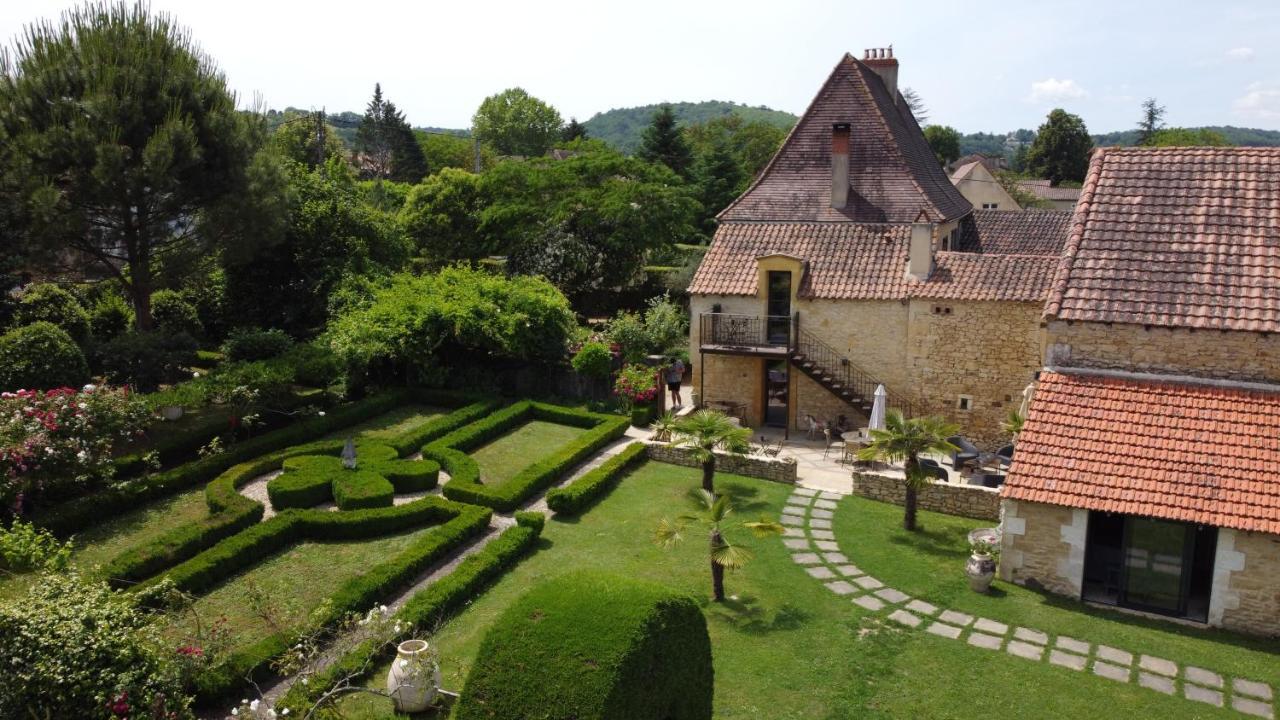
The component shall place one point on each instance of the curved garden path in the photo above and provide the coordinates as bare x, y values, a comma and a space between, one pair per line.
807, 517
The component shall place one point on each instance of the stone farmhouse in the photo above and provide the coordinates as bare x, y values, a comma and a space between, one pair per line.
1144, 476
852, 261
981, 188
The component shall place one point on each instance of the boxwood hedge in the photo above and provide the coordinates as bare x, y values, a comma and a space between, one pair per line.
309, 480
464, 473
581, 493
593, 646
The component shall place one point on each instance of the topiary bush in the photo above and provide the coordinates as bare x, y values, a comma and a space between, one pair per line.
362, 489
145, 360
173, 314
255, 344
110, 318
309, 480
578, 495
47, 302
593, 360
593, 646
40, 356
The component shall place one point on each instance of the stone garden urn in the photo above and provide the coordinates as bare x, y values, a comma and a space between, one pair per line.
414, 678
981, 566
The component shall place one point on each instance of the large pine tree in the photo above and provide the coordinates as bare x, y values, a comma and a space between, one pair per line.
664, 143
408, 162
373, 148
718, 176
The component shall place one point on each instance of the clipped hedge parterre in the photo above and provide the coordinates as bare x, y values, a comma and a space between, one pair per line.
583, 492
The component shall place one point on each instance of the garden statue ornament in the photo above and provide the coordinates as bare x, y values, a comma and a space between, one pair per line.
349, 455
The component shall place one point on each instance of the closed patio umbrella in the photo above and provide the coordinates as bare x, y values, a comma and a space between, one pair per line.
876, 421
1026, 399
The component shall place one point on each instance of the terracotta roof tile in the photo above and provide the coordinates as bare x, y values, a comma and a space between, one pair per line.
1000, 232
893, 175
1197, 453
1175, 237
1045, 191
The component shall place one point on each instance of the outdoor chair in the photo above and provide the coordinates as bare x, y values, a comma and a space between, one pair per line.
967, 453
828, 442
815, 427
773, 450
1006, 455
934, 470
992, 481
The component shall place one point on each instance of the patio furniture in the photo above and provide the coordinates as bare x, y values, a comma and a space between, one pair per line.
828, 442
934, 470
966, 454
854, 440
814, 426
1006, 453
991, 480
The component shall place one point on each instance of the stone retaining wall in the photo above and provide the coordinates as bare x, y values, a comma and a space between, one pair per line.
766, 468
966, 500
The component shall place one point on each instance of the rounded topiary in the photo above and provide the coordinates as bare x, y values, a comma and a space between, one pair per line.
49, 303
309, 480
40, 356
110, 318
590, 646
173, 314
254, 344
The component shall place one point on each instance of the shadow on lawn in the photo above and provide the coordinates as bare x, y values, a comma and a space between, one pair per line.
949, 542
742, 496
745, 614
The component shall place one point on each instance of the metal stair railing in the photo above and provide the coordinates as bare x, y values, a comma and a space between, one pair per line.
846, 375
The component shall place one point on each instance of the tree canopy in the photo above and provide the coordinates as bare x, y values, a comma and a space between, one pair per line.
663, 142
513, 122
386, 145
1061, 149
944, 141
440, 216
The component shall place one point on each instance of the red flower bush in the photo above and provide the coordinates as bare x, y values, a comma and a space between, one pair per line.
636, 384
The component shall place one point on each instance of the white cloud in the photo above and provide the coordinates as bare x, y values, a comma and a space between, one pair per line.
1055, 90
1260, 102
1241, 54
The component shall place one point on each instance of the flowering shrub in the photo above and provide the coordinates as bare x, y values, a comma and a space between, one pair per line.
55, 439
636, 384
593, 359
25, 547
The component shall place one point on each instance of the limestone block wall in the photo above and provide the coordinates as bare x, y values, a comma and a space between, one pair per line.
1043, 544
966, 500
1246, 587
1208, 353
778, 470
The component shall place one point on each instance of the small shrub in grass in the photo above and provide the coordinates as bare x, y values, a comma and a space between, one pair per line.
254, 344
640, 652
24, 547
110, 318
49, 303
581, 493
173, 314
526, 518
40, 356
360, 489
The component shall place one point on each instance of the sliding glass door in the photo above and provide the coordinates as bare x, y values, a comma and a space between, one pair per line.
1148, 564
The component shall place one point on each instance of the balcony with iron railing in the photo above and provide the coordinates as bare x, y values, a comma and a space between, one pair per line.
746, 334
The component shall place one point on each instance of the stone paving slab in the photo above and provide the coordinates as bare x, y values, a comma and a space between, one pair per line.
820, 523
905, 618
922, 607
956, 618
828, 545
891, 595
1111, 672
1072, 645
1159, 683
868, 583
807, 558
1066, 659
820, 572
1031, 636
942, 629
840, 587
1160, 666
1251, 688
1112, 655
1027, 650
835, 558
793, 510
792, 532
820, 513
830, 495
849, 570
1204, 695
985, 641
1200, 676
822, 534
870, 602
807, 492
792, 520
796, 543
825, 504
991, 626
1252, 707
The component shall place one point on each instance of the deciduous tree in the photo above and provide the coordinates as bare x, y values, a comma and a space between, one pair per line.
944, 141
1061, 149
514, 122
440, 216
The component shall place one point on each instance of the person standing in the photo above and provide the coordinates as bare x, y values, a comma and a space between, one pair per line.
675, 374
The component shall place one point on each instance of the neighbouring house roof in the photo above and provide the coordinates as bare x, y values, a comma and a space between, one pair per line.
992, 163
964, 171
893, 175
1173, 450
866, 261
1030, 232
1045, 191
1175, 237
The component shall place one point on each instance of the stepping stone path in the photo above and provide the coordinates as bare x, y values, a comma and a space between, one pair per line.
808, 514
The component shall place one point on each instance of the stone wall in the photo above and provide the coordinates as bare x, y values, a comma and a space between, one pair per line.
1040, 546
1207, 353
1249, 599
966, 500
758, 467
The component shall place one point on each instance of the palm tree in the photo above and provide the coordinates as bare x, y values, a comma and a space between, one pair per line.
906, 440
712, 511
706, 431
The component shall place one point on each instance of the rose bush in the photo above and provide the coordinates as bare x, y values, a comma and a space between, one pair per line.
636, 385
56, 439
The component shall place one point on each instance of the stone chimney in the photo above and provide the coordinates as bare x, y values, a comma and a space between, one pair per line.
886, 66
920, 252
839, 165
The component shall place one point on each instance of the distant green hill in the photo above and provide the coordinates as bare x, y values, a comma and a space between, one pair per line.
1244, 137
621, 127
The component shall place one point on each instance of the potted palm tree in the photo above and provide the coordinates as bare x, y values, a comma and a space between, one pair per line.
706, 431
711, 513
905, 440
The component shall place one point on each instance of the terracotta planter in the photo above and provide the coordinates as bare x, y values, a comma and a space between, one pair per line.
981, 569
414, 678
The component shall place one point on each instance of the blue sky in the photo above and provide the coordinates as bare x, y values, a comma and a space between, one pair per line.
978, 66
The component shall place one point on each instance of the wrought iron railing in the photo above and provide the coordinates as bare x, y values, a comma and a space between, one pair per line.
847, 375
745, 331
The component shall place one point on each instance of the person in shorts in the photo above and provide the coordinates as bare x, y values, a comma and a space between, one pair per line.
675, 373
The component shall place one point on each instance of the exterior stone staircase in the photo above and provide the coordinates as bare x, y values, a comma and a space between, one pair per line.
842, 378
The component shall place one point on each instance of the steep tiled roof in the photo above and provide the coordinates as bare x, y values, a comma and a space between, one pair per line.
1175, 237
862, 261
1195, 453
893, 175
1030, 232
1045, 191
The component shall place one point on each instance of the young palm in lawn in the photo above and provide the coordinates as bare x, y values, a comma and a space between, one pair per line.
712, 512
705, 432
906, 440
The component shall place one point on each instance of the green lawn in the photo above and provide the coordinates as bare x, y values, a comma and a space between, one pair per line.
871, 535
501, 459
282, 590
785, 646
402, 419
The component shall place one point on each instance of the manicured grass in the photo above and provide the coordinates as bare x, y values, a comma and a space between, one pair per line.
501, 459
929, 564
383, 427
785, 647
290, 585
